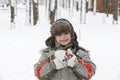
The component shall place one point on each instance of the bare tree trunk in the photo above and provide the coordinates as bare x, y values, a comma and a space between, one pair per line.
69, 4
115, 13
63, 5
52, 12
83, 12
12, 15
46, 6
30, 2
77, 6
35, 12
119, 7
94, 7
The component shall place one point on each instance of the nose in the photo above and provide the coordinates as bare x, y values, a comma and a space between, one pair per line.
63, 35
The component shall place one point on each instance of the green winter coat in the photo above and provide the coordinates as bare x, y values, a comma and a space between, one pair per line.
45, 69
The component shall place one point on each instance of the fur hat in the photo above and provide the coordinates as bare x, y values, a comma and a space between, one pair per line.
60, 26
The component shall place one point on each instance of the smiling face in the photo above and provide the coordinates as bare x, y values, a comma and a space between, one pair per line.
62, 32
63, 38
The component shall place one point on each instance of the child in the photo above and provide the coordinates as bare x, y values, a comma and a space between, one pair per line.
64, 59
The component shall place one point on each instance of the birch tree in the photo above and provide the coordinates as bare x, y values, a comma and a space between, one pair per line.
29, 17
12, 14
94, 7
115, 13
52, 10
83, 12
35, 11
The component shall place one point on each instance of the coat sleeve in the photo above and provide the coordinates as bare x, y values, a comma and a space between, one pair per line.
45, 68
84, 67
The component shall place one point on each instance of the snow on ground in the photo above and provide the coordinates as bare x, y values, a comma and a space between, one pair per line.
19, 47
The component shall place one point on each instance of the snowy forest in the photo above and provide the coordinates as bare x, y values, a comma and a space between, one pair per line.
53, 9
25, 25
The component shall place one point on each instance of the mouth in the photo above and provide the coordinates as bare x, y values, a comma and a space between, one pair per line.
65, 40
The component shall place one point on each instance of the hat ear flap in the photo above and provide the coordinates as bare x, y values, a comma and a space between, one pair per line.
50, 42
74, 39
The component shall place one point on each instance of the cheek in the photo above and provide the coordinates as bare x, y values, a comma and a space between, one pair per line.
70, 38
57, 39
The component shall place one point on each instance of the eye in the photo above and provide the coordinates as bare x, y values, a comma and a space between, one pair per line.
66, 33
59, 34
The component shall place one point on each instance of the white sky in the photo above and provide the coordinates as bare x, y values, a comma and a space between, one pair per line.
19, 47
